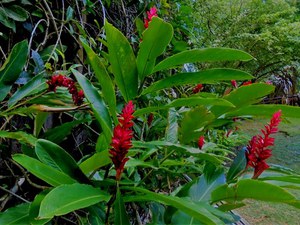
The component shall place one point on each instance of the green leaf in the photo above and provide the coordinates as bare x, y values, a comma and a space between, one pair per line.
266, 111
122, 61
97, 104
21, 136
188, 102
53, 155
17, 215
103, 78
95, 162
197, 153
35, 208
192, 121
26, 90
238, 165
42, 171
120, 218
155, 40
185, 205
59, 133
202, 55
171, 134
39, 121
246, 95
201, 189
255, 189
12, 67
67, 198
6, 21
204, 77
16, 13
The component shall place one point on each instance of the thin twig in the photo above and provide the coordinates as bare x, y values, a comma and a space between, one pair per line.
27, 178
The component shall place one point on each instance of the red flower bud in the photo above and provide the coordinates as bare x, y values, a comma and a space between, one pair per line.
201, 142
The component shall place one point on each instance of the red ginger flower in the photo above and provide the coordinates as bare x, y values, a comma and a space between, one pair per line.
121, 141
234, 83
62, 81
257, 149
150, 14
247, 83
201, 142
197, 88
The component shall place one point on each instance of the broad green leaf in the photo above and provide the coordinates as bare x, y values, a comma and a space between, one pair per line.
103, 77
53, 155
42, 171
21, 136
39, 121
17, 13
67, 198
136, 162
180, 218
95, 162
188, 102
59, 133
26, 90
246, 95
122, 61
186, 149
193, 121
12, 67
35, 208
201, 190
266, 111
155, 40
185, 205
202, 55
171, 134
255, 189
97, 104
6, 21
120, 216
238, 165
209, 76
17, 215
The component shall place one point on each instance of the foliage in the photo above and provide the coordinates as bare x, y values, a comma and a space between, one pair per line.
268, 30
148, 163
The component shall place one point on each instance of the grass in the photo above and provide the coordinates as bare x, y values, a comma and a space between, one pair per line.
286, 152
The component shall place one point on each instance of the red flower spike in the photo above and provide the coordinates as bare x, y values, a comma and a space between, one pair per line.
121, 140
150, 14
197, 88
201, 142
257, 151
234, 83
62, 81
247, 83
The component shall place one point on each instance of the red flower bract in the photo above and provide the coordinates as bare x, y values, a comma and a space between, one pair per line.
62, 81
197, 88
150, 14
201, 142
121, 141
257, 149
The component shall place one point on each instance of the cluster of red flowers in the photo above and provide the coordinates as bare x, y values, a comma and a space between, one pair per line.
121, 141
151, 13
197, 88
257, 149
62, 81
